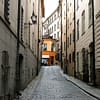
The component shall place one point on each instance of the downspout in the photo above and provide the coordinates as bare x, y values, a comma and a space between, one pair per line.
74, 39
38, 39
17, 84
66, 42
94, 74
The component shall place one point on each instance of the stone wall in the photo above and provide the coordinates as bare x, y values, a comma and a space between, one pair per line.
97, 47
8, 43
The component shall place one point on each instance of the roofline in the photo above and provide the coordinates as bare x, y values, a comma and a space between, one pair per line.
51, 14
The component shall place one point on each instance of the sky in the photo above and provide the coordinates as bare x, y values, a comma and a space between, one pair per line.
50, 6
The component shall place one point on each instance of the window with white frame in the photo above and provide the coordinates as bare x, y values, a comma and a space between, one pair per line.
54, 36
58, 35
58, 25
54, 27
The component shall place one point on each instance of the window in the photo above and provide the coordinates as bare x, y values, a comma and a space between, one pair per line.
83, 56
54, 27
50, 30
55, 16
77, 61
77, 4
6, 10
44, 47
73, 56
90, 12
49, 21
52, 46
5, 58
70, 3
58, 25
68, 23
22, 13
58, 35
54, 36
64, 14
73, 36
52, 18
64, 46
70, 58
77, 29
33, 40
83, 22
70, 39
70, 18
68, 6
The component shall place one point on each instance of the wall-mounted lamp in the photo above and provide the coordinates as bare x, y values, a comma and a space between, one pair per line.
34, 18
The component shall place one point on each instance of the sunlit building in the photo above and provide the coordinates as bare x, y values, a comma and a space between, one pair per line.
70, 37
51, 27
48, 50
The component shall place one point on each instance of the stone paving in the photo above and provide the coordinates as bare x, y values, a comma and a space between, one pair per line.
52, 86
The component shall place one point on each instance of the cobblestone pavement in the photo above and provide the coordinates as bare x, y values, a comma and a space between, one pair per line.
52, 86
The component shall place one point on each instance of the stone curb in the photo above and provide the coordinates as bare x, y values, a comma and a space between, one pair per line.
82, 88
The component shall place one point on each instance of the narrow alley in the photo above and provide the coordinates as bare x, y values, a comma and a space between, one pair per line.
51, 85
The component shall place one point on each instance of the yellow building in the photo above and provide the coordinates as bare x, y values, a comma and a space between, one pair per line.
48, 50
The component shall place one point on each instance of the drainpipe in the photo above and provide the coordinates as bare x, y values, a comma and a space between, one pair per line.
74, 38
66, 41
61, 37
17, 84
38, 39
94, 74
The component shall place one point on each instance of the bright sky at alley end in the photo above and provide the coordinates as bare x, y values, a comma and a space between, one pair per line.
50, 6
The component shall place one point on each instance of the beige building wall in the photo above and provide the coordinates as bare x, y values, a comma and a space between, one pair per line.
70, 37
8, 45
64, 33
85, 40
97, 40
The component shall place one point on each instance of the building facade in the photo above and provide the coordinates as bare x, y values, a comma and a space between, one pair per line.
63, 18
10, 43
70, 37
51, 27
97, 41
77, 42
83, 40
49, 50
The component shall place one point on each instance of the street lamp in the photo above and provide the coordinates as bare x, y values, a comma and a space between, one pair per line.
34, 18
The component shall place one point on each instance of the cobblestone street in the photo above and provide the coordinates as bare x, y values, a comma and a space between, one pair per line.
52, 86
